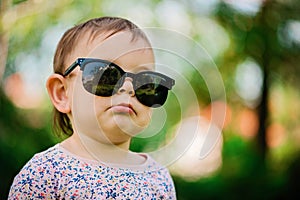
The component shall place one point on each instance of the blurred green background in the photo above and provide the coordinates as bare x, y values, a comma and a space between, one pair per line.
255, 45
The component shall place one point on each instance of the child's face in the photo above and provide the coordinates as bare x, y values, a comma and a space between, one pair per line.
116, 118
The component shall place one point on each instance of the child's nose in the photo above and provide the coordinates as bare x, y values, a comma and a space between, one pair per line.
127, 87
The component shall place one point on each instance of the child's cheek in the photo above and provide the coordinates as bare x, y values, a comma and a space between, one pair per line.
144, 117
83, 110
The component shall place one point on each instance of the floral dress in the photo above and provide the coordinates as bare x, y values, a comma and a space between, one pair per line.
59, 174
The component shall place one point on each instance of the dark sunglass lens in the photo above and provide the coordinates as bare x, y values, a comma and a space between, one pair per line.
149, 90
152, 96
100, 78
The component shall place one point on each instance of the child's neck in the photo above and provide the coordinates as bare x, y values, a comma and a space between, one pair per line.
89, 148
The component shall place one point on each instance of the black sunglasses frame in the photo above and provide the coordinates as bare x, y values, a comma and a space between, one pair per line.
168, 82
165, 81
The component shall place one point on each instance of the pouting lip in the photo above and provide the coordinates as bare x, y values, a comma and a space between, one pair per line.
125, 105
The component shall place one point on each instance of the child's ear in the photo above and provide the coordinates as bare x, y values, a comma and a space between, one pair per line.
56, 87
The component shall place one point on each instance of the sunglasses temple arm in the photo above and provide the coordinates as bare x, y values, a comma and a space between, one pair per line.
170, 83
71, 68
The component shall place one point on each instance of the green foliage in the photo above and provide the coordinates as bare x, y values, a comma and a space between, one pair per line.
19, 140
18, 1
243, 176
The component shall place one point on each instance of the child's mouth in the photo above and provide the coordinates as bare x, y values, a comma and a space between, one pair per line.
123, 108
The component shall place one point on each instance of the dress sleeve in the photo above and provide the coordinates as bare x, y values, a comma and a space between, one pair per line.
36, 180
170, 188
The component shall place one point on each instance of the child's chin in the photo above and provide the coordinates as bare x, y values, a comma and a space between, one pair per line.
130, 128
130, 121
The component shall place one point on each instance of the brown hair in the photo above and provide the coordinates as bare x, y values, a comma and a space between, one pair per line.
94, 27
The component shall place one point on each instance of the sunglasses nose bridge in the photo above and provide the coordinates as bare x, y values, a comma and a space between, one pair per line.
129, 75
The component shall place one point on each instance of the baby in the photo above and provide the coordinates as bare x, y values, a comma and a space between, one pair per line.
103, 89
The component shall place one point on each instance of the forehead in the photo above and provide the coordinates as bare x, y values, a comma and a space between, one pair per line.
116, 47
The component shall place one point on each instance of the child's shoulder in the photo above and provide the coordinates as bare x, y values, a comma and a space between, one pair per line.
46, 160
49, 155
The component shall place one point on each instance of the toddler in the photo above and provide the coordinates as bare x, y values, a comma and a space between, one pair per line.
103, 89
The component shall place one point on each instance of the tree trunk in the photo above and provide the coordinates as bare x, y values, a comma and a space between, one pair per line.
267, 34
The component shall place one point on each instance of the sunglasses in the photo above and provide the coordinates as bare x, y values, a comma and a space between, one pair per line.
104, 78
